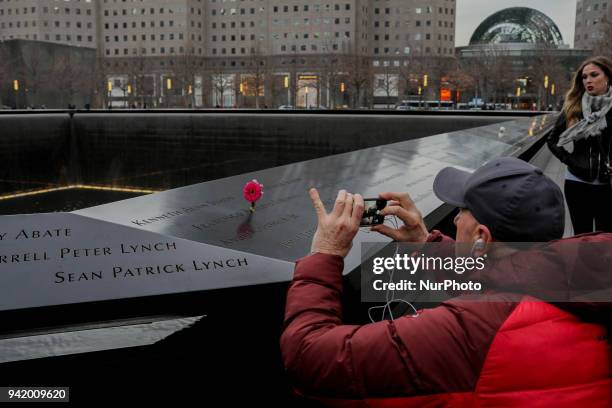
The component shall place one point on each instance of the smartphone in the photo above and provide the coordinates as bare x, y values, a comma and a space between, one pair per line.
371, 212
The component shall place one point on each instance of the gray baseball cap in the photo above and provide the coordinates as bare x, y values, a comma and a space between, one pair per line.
514, 199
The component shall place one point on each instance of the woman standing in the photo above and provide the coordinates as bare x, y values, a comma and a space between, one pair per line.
582, 139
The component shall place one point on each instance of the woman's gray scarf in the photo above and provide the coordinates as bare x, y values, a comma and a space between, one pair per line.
594, 111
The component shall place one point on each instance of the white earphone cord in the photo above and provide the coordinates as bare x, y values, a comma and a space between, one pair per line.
390, 295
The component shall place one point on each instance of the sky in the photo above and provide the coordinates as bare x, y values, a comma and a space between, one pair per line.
470, 13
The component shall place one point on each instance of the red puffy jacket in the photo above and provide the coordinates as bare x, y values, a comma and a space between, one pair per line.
501, 353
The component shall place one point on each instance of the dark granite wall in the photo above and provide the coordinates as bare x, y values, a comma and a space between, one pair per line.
34, 151
167, 150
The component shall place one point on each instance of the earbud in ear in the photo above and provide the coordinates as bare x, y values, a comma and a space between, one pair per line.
479, 244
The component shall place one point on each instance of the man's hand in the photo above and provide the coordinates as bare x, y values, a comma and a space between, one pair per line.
337, 229
402, 206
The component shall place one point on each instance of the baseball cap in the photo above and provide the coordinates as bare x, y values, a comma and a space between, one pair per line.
513, 198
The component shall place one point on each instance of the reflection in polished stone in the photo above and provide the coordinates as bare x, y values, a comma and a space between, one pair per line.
61, 200
214, 212
112, 249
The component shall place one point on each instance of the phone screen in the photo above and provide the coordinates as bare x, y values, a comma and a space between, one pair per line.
371, 212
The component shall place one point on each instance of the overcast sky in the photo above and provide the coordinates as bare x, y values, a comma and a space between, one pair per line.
470, 13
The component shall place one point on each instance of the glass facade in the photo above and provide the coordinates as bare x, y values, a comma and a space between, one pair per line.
518, 25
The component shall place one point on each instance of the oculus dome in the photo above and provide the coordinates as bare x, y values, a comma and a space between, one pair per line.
518, 25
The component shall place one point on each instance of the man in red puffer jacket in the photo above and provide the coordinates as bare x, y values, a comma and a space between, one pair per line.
501, 351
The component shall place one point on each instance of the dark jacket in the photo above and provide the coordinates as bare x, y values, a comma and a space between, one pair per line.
589, 158
501, 352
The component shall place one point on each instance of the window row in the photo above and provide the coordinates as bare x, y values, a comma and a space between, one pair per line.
151, 11
51, 37
150, 37
232, 51
418, 10
307, 21
592, 7
306, 36
415, 36
147, 51
234, 11
593, 22
56, 24
417, 23
304, 47
143, 24
46, 10
233, 24
315, 7
407, 50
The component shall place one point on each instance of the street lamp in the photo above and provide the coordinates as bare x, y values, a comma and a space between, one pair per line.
129, 93
190, 97
286, 83
169, 88
546, 90
425, 82
518, 95
109, 88
16, 89
553, 91
420, 97
241, 96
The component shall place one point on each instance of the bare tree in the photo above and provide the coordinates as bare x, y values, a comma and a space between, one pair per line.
35, 72
503, 79
422, 75
438, 70
100, 82
551, 68
544, 71
294, 83
459, 78
140, 83
330, 77
411, 73
184, 71
274, 87
358, 74
258, 71
221, 83
487, 69
67, 78
386, 81
206, 89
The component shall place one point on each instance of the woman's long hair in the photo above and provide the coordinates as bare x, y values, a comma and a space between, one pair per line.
572, 109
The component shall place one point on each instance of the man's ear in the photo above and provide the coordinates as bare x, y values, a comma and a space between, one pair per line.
483, 233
